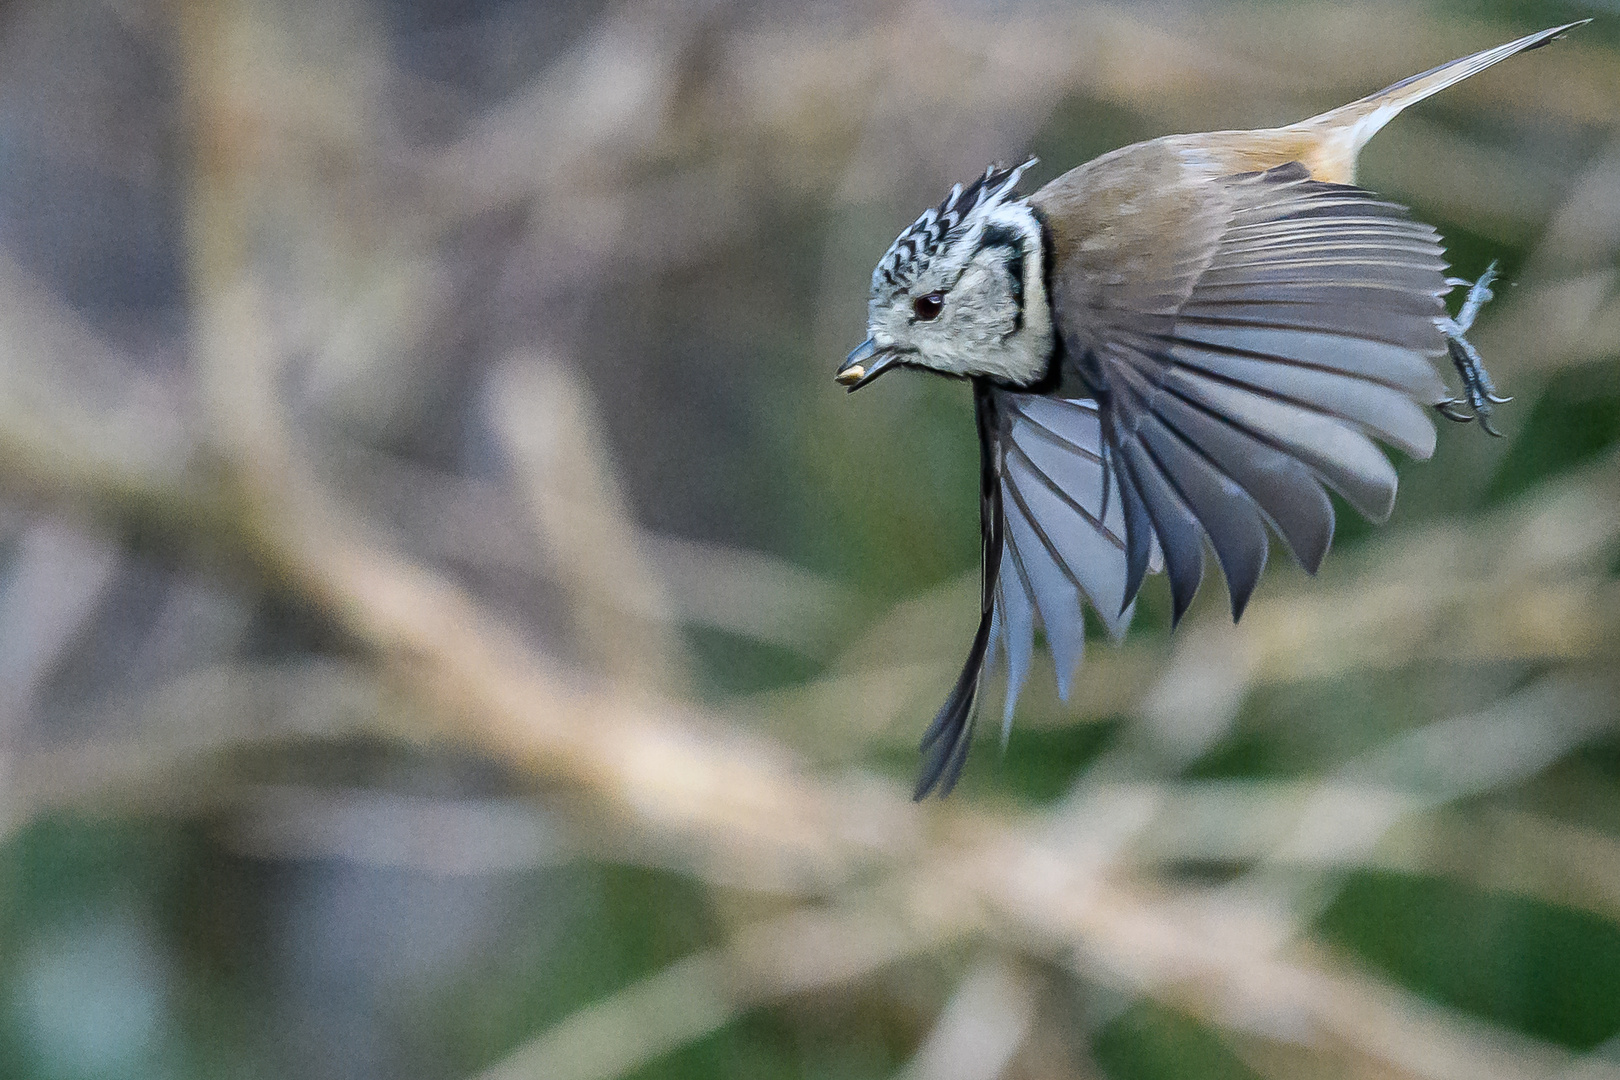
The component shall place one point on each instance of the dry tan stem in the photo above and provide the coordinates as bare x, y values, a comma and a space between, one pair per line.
622, 611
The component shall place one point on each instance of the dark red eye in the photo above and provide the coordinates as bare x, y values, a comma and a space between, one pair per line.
927, 307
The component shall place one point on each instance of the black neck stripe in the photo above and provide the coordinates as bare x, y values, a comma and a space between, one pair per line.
1053, 377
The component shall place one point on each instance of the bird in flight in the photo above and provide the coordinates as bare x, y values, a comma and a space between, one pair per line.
1186, 339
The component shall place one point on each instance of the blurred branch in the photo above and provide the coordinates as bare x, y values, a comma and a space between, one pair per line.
1502, 851
981, 1027
1528, 583
438, 836
802, 951
81, 425
169, 732
471, 523
57, 576
622, 610
752, 594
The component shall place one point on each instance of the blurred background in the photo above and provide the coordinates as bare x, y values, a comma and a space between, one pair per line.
452, 626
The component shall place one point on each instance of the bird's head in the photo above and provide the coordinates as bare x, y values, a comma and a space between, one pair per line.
962, 291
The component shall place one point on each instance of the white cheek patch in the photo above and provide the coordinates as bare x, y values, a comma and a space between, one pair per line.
988, 327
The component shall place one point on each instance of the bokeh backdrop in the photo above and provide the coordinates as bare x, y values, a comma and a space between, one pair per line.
452, 626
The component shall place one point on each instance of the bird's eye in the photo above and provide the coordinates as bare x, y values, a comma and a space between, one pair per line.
927, 308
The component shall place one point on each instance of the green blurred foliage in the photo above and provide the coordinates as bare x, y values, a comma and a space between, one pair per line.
1547, 971
1150, 1042
1574, 419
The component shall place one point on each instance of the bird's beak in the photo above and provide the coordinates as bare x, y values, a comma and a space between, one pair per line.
865, 362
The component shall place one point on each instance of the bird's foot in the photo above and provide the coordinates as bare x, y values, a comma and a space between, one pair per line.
1479, 393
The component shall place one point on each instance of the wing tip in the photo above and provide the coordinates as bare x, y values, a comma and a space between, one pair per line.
1240, 603
1378, 513
1242, 581
1183, 590
945, 747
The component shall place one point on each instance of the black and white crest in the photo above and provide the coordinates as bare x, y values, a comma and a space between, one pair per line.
941, 227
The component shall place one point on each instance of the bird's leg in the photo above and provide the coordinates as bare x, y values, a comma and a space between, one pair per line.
1479, 393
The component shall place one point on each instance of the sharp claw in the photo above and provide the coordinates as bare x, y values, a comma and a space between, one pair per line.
1479, 393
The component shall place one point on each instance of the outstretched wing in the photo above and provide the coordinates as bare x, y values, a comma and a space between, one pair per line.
1251, 365
1053, 530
